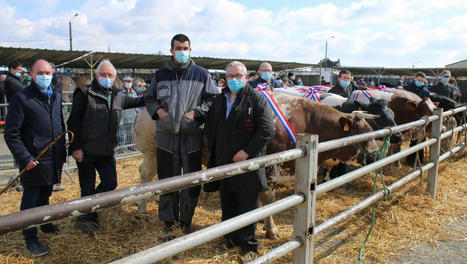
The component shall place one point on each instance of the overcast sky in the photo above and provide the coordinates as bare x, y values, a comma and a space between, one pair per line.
399, 33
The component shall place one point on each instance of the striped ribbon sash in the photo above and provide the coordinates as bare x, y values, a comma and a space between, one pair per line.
264, 90
366, 93
312, 94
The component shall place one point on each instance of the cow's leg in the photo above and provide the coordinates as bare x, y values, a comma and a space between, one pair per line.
147, 171
268, 197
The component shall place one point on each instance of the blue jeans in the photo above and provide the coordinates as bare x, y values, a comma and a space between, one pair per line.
105, 166
34, 196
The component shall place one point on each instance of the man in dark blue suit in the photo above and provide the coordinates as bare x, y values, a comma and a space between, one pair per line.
34, 120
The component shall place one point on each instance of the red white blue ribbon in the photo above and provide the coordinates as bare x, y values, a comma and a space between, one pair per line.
367, 94
264, 90
312, 94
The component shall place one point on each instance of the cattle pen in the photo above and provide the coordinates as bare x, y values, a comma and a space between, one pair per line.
304, 199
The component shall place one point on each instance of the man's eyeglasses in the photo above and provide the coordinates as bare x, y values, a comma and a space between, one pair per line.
236, 76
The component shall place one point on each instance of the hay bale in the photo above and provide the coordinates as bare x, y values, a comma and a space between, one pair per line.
407, 218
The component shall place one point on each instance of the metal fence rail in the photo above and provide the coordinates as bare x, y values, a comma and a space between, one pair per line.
306, 191
44, 214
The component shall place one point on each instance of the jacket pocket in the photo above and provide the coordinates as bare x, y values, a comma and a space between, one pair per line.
164, 124
40, 143
163, 91
189, 125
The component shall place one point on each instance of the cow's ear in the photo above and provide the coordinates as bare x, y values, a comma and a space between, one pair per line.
411, 106
345, 123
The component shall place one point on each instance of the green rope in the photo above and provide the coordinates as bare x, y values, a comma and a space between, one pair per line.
380, 153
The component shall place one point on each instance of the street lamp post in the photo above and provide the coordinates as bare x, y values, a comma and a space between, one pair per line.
69, 29
326, 55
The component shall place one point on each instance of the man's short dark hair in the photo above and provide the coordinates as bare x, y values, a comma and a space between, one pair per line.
14, 64
181, 38
253, 74
420, 74
290, 74
344, 72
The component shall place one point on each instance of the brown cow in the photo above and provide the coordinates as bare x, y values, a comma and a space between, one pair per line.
305, 115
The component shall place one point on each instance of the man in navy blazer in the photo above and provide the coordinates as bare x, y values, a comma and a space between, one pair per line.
34, 120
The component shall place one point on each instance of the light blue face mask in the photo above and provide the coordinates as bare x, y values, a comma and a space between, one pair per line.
344, 83
445, 79
43, 81
419, 84
106, 82
266, 76
182, 56
235, 85
18, 74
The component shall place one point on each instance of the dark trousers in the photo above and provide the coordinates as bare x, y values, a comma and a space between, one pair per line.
105, 166
234, 204
180, 205
35, 196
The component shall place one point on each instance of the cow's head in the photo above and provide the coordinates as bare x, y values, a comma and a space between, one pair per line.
352, 124
424, 108
380, 108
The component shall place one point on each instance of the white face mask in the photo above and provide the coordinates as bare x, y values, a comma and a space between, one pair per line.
128, 85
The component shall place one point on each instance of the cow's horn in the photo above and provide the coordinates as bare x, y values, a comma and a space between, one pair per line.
367, 116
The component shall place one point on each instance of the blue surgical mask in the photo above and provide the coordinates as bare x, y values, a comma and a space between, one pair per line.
235, 85
139, 90
445, 79
182, 56
18, 74
106, 82
419, 84
266, 76
43, 81
344, 83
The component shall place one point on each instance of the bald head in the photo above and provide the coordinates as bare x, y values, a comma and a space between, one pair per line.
41, 67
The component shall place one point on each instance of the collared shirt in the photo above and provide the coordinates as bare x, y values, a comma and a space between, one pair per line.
229, 104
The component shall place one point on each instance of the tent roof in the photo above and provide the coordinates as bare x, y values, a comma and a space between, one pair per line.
124, 60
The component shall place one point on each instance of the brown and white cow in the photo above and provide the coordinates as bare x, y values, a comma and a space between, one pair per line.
306, 116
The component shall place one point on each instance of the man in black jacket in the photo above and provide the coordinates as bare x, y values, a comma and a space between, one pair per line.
240, 124
34, 120
12, 82
94, 119
345, 85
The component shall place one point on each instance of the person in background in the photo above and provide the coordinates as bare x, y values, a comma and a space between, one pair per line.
443, 87
286, 82
125, 133
292, 79
417, 86
457, 90
345, 85
25, 79
252, 76
34, 120
239, 126
222, 83
139, 87
178, 99
2, 96
299, 80
94, 119
265, 75
12, 81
